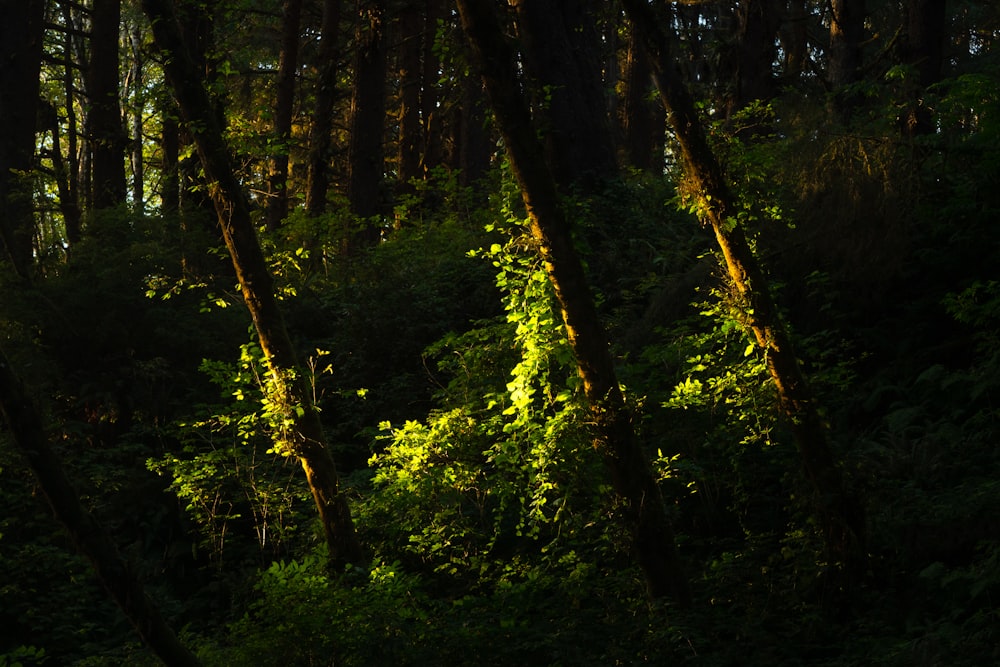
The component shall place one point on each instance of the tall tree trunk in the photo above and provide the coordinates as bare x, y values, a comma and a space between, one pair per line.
21, 34
170, 148
104, 121
136, 140
639, 122
794, 38
284, 106
926, 30
320, 139
473, 139
847, 26
560, 53
615, 437
305, 438
365, 160
432, 154
409, 73
758, 23
119, 580
70, 202
841, 515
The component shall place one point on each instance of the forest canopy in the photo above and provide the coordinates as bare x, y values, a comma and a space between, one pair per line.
499, 332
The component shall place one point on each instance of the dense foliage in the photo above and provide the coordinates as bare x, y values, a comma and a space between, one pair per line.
450, 395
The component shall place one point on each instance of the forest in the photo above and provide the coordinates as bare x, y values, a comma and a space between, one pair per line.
500, 332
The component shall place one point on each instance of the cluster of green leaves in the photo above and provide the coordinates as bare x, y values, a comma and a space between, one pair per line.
505, 462
231, 467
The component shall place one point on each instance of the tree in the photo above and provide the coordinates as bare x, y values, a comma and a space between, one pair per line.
847, 27
289, 393
284, 106
615, 437
21, 40
104, 120
561, 57
117, 577
365, 159
642, 126
321, 127
841, 515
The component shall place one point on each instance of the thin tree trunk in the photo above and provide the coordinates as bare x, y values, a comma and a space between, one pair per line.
322, 121
137, 141
305, 438
841, 515
615, 437
284, 105
119, 580
72, 213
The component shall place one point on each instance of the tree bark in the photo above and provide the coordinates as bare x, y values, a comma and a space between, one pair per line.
104, 120
841, 515
305, 438
320, 139
847, 26
70, 203
116, 576
365, 154
639, 122
926, 30
21, 34
284, 105
409, 73
559, 52
615, 437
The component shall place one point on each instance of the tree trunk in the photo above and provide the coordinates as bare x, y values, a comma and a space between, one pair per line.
409, 73
474, 146
284, 105
847, 26
926, 30
794, 39
70, 203
758, 23
320, 139
615, 437
104, 120
841, 515
170, 147
305, 438
21, 34
639, 122
116, 576
137, 140
432, 119
365, 158
560, 54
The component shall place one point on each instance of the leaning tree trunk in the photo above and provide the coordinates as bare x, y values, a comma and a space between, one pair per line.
615, 437
841, 515
119, 580
304, 437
